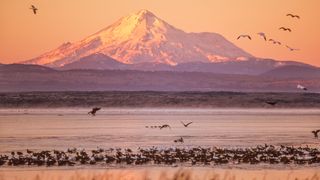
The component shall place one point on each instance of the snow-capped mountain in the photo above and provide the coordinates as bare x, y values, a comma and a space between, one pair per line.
144, 38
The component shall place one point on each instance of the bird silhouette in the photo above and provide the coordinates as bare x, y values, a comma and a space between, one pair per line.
315, 133
262, 35
165, 126
244, 36
301, 87
292, 49
94, 111
275, 42
34, 9
186, 125
285, 29
293, 16
272, 103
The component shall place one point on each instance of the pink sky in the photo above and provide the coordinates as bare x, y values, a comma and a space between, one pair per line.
24, 35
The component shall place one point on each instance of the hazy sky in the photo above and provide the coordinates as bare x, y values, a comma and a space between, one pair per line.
24, 35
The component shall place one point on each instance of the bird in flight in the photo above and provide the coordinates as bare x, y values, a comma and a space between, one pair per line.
94, 111
272, 103
292, 49
293, 16
34, 9
301, 87
285, 29
275, 42
165, 126
315, 133
186, 125
262, 35
244, 36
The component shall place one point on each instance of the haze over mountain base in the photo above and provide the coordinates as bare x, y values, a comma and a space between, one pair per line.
17, 77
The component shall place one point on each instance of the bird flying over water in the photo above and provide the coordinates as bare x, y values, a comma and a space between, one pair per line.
262, 35
165, 126
244, 36
292, 49
94, 111
186, 125
285, 29
34, 9
301, 87
315, 133
293, 16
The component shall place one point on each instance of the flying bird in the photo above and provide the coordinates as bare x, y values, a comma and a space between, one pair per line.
165, 126
94, 111
262, 35
186, 125
275, 42
315, 133
285, 29
272, 103
292, 49
244, 36
34, 9
293, 16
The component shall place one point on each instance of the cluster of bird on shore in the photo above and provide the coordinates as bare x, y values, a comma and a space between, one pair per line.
273, 41
195, 156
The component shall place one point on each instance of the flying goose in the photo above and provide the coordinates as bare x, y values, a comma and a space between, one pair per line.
94, 111
293, 16
244, 36
186, 125
34, 9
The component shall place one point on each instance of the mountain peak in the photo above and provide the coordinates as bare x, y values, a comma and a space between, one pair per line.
142, 37
144, 13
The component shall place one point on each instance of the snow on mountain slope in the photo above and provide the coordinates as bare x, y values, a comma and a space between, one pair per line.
144, 38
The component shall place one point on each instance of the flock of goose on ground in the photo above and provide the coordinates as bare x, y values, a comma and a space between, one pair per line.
196, 156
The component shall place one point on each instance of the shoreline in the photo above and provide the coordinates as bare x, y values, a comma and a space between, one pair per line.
158, 99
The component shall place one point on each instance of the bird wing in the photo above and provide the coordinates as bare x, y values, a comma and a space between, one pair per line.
183, 123
249, 37
317, 131
96, 109
188, 123
239, 37
290, 15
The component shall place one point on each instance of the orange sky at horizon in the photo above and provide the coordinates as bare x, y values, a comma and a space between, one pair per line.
24, 36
